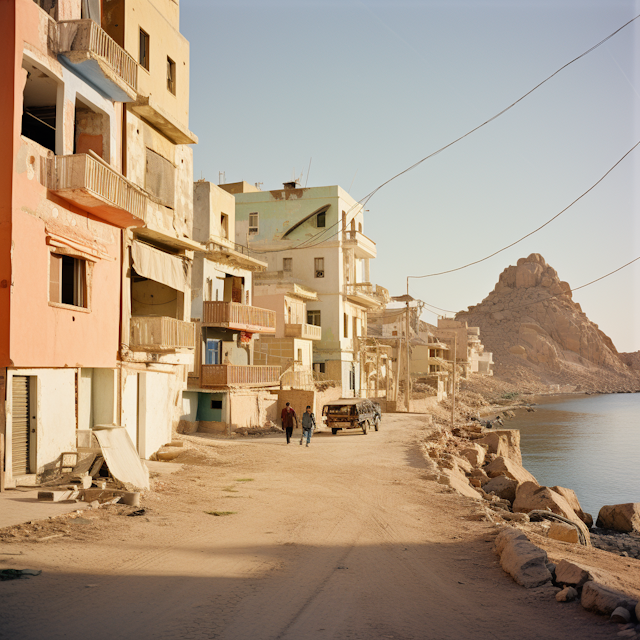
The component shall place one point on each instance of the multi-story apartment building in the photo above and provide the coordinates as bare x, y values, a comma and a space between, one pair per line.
314, 237
292, 345
80, 283
225, 376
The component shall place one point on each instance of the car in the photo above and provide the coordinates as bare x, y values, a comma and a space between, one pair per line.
352, 413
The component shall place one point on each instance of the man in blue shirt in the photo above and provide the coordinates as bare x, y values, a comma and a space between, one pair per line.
308, 425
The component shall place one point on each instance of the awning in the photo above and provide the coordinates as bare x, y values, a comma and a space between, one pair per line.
159, 266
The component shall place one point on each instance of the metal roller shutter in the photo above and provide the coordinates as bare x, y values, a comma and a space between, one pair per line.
20, 425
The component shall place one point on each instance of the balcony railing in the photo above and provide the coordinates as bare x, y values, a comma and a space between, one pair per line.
241, 317
228, 375
80, 40
364, 247
304, 331
367, 293
159, 333
93, 185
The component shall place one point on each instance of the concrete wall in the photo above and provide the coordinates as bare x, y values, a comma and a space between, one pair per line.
209, 203
54, 405
252, 408
155, 412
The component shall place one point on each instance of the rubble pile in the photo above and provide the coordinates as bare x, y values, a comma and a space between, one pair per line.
537, 333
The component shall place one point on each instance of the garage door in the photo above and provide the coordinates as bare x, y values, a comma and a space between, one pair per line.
20, 425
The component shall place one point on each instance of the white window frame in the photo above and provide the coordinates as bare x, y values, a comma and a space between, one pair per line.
254, 228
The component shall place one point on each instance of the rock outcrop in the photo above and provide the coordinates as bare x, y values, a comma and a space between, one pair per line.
620, 517
537, 332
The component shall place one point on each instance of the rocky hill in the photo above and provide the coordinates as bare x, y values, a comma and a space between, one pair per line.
537, 333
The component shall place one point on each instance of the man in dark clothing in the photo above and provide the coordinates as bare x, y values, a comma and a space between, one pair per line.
288, 417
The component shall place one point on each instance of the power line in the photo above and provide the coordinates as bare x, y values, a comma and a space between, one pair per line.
495, 253
366, 198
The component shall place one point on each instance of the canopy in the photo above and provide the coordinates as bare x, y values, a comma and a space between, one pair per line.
159, 266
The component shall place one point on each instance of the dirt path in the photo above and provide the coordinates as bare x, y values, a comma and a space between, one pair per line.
342, 540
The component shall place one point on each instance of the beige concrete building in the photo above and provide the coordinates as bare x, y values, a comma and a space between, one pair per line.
227, 385
315, 237
292, 345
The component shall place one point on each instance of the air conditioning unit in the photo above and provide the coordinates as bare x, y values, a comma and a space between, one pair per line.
319, 274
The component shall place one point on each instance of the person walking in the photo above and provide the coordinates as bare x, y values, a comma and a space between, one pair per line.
308, 425
288, 416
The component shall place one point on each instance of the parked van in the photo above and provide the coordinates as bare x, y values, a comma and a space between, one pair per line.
352, 413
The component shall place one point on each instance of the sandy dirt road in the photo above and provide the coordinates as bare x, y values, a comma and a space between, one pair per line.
344, 539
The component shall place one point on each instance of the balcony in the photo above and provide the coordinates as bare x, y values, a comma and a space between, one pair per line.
232, 375
225, 251
97, 58
239, 317
147, 108
90, 183
367, 294
363, 247
304, 331
159, 333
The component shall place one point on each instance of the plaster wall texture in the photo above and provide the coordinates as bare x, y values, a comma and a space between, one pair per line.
252, 408
160, 20
189, 406
55, 410
155, 414
129, 404
210, 202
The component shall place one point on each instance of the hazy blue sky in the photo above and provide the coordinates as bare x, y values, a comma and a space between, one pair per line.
366, 88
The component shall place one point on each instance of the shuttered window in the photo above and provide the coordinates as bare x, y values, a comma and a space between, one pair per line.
20, 425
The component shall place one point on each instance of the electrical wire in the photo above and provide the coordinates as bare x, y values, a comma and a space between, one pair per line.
368, 197
542, 226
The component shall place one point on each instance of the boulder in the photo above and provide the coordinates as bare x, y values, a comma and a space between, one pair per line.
566, 595
503, 442
503, 487
563, 532
474, 454
505, 467
458, 482
481, 475
522, 560
602, 599
620, 517
531, 497
576, 575
570, 496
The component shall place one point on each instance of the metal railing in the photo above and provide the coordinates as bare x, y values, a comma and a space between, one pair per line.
151, 333
86, 35
82, 171
303, 331
236, 314
226, 375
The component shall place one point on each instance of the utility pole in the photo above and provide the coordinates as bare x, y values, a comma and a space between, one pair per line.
453, 390
407, 395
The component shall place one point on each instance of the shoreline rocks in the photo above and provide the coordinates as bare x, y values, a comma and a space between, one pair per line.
620, 517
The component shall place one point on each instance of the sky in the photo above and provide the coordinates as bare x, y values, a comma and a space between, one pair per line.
352, 92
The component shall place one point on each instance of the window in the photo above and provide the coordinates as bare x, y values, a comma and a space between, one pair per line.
67, 280
355, 327
39, 113
319, 267
346, 325
320, 367
287, 264
313, 317
144, 50
321, 219
224, 225
253, 223
212, 353
299, 355
171, 76
216, 404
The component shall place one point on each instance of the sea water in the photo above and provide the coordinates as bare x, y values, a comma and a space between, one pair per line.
590, 444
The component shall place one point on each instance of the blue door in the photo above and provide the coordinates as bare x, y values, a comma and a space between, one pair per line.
212, 353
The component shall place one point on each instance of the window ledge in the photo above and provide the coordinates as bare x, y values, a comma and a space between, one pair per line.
69, 307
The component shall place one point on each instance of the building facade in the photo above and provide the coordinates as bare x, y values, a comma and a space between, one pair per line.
82, 336
314, 237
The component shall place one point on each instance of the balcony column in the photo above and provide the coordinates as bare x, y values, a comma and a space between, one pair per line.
367, 273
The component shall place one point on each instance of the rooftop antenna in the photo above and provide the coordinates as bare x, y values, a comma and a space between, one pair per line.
222, 177
306, 182
259, 184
